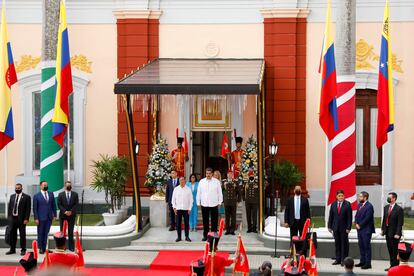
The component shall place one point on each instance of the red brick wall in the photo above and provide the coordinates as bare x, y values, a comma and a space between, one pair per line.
137, 44
285, 56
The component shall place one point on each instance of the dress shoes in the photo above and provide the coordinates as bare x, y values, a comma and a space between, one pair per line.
232, 233
336, 263
359, 265
178, 239
388, 268
10, 252
22, 252
41, 252
227, 233
188, 239
204, 239
249, 231
171, 229
367, 266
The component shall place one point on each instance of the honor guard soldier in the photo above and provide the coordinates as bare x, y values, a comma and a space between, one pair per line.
179, 157
404, 252
251, 198
231, 196
60, 257
215, 264
236, 157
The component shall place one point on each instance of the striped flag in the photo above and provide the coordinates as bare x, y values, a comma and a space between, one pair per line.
328, 115
63, 85
8, 77
385, 96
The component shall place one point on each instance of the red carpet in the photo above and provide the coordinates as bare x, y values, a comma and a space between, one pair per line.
177, 260
92, 271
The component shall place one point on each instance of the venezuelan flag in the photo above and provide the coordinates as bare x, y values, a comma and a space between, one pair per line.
385, 96
63, 85
328, 115
7, 78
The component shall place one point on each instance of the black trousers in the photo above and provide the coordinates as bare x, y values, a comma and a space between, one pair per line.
172, 215
180, 215
392, 245
251, 213
15, 224
341, 245
295, 227
208, 212
230, 213
71, 225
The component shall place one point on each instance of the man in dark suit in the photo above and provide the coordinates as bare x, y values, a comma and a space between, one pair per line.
44, 211
392, 223
18, 214
364, 223
68, 202
296, 212
171, 184
339, 224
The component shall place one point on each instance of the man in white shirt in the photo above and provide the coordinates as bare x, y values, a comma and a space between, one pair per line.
209, 197
182, 202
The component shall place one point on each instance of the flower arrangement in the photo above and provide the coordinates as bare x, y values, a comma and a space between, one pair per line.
159, 166
249, 160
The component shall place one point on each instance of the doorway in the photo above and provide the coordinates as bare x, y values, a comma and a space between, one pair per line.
207, 152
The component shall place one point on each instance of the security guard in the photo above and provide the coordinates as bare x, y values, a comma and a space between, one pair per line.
231, 196
251, 198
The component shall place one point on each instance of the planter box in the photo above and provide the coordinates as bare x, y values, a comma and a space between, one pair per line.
110, 219
158, 211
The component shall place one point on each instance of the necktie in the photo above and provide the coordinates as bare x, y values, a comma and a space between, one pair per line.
68, 197
15, 205
389, 213
297, 208
339, 208
47, 199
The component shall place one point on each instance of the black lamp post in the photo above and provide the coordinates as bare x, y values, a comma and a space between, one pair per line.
273, 147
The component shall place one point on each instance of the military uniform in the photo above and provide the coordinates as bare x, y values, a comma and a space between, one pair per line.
251, 198
231, 196
404, 252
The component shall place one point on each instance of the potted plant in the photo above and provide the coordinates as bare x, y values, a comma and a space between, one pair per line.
287, 175
109, 175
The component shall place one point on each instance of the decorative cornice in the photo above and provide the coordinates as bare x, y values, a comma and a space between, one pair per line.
28, 62
137, 14
285, 13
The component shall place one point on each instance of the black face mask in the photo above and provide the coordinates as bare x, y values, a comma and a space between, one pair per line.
297, 192
69, 187
18, 191
45, 188
389, 200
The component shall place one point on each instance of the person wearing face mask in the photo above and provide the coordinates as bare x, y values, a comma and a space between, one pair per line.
339, 224
18, 214
44, 211
68, 202
364, 223
296, 212
392, 223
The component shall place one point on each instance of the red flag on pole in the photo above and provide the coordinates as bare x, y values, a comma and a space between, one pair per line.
241, 263
79, 251
225, 149
313, 271
185, 146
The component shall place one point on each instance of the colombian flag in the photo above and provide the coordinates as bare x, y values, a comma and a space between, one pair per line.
328, 116
385, 96
63, 85
7, 78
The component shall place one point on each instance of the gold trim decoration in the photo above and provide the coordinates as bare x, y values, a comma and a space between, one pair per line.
365, 56
27, 62
81, 63
211, 109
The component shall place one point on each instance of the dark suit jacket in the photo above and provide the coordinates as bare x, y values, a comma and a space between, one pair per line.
25, 205
342, 221
43, 210
290, 210
170, 189
364, 217
64, 205
395, 221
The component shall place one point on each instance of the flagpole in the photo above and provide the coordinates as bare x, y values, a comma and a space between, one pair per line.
5, 182
68, 151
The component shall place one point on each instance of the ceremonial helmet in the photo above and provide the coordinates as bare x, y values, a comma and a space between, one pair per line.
197, 268
213, 239
239, 139
60, 237
404, 250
